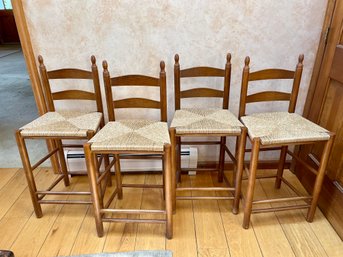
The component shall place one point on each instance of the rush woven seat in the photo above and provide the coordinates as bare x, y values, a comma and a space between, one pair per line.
131, 139
63, 124
132, 135
205, 121
270, 131
283, 128
55, 126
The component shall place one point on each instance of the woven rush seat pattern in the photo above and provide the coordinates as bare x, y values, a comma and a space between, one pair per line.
63, 124
283, 128
132, 135
205, 121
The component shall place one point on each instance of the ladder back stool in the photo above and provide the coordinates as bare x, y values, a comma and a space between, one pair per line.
276, 131
206, 122
129, 139
61, 125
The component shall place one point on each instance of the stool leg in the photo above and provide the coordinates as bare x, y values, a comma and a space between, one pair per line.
28, 173
221, 159
173, 166
106, 163
62, 162
118, 177
168, 190
320, 178
239, 169
251, 182
281, 165
178, 158
95, 192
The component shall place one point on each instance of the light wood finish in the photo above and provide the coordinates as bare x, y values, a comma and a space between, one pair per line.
257, 144
324, 106
103, 211
176, 138
279, 234
38, 196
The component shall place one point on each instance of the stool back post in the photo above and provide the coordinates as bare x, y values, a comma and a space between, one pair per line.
163, 92
296, 84
244, 87
108, 91
46, 85
177, 82
96, 82
227, 82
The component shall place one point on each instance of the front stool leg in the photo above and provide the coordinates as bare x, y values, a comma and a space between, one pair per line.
251, 182
320, 178
168, 190
28, 173
221, 159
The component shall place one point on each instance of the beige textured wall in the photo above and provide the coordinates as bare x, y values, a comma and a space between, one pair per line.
133, 36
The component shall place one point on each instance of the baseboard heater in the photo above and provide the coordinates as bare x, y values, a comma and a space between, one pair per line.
76, 161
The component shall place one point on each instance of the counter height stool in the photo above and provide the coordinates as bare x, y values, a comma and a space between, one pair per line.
138, 138
58, 126
206, 122
276, 131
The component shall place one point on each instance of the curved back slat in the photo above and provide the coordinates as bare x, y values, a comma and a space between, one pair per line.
136, 103
70, 74
135, 80
270, 74
132, 81
202, 71
73, 94
268, 96
201, 92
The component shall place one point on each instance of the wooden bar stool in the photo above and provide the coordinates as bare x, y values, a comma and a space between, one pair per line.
58, 126
145, 138
206, 122
276, 131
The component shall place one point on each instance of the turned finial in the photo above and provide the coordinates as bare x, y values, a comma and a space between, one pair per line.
40, 59
176, 58
93, 60
228, 58
162, 66
247, 61
301, 58
104, 65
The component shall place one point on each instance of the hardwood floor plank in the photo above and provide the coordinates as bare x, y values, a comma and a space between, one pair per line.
296, 228
210, 231
121, 237
326, 235
68, 222
151, 236
183, 243
268, 231
33, 235
213, 252
20, 212
235, 234
6, 175
12, 190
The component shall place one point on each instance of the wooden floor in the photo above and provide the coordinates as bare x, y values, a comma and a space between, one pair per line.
201, 228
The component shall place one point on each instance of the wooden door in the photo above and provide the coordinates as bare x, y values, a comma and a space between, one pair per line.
8, 29
324, 106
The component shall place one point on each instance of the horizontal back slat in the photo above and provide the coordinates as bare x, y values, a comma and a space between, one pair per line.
201, 92
202, 72
268, 96
135, 80
136, 103
73, 94
271, 74
69, 74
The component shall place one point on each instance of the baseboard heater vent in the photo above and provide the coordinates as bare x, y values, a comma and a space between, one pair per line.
189, 158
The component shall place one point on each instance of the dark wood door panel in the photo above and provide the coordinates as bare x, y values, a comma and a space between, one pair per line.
8, 29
